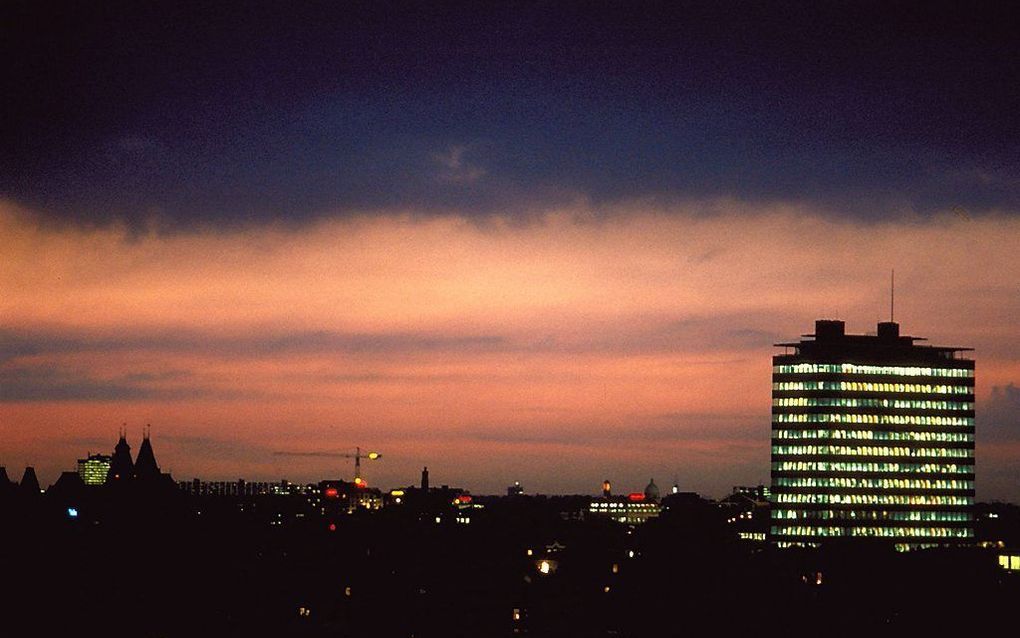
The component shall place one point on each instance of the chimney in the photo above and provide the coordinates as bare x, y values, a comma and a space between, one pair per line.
829, 329
888, 330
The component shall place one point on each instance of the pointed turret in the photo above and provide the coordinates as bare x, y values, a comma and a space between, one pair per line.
121, 467
6, 485
145, 464
30, 482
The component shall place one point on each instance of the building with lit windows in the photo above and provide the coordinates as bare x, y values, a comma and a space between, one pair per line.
633, 509
94, 468
872, 437
1010, 561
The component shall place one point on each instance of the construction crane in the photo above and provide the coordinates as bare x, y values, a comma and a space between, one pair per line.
357, 456
360, 482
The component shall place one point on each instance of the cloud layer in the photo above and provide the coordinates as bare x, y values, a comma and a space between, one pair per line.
225, 114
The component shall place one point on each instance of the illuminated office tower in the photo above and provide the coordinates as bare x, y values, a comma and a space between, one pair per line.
872, 437
94, 468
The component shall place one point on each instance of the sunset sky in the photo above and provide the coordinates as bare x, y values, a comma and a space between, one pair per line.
544, 242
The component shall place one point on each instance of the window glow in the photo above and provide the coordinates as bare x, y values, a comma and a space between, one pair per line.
873, 499
876, 435
874, 419
839, 466
905, 404
934, 532
875, 515
850, 368
872, 450
854, 386
874, 483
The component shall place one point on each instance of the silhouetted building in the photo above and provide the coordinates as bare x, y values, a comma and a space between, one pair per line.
756, 492
747, 512
68, 488
146, 468
30, 482
425, 480
240, 487
121, 466
94, 469
872, 437
341, 497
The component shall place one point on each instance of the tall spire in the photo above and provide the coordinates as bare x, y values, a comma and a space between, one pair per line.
121, 467
145, 464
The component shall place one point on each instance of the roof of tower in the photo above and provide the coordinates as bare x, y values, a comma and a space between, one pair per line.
830, 339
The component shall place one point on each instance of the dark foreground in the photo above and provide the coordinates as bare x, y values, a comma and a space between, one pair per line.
177, 566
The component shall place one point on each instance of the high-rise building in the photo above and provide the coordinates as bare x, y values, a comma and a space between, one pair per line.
872, 437
94, 468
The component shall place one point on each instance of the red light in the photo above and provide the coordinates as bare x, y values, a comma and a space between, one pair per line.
331, 492
332, 527
464, 498
636, 497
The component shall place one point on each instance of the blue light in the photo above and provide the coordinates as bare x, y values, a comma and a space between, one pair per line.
72, 512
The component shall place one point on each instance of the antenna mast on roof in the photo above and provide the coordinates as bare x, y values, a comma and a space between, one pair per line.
892, 296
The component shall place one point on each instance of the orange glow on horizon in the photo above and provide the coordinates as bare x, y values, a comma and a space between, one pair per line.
627, 345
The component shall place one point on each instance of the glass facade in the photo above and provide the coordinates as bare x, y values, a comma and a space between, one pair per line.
872, 436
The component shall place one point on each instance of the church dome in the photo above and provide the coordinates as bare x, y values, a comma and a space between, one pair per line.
652, 491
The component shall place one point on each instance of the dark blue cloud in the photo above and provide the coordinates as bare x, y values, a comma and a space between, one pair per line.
999, 416
16, 345
49, 383
201, 113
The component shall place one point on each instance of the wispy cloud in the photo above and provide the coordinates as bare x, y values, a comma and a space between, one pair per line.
455, 166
